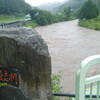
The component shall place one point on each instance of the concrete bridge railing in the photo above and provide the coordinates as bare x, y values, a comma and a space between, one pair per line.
14, 24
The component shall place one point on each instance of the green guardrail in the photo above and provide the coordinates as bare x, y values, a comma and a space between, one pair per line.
87, 88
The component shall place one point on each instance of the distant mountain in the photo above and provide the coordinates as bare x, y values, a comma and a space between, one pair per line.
59, 6
76, 4
50, 6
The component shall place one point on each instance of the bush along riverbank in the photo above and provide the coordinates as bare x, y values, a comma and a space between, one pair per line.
91, 24
31, 24
89, 15
43, 17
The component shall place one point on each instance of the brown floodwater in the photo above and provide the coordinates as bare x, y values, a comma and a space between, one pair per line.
68, 45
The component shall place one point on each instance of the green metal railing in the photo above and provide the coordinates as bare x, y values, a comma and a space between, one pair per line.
82, 81
82, 92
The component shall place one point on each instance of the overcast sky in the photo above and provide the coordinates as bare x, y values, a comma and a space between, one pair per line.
38, 2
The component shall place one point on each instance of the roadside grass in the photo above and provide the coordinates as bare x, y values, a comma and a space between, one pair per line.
31, 24
6, 18
92, 24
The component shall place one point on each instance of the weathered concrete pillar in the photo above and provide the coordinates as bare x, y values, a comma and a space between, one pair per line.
25, 50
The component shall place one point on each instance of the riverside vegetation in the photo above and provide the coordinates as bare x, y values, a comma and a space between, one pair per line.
43, 17
56, 86
89, 16
92, 23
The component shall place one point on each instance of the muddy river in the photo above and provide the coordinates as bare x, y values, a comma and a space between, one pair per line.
68, 45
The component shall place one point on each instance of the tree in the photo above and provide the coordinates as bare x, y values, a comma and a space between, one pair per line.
2, 6
88, 11
67, 12
97, 2
42, 17
13, 6
41, 20
33, 13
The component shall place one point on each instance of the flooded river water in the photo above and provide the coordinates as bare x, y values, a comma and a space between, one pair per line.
68, 45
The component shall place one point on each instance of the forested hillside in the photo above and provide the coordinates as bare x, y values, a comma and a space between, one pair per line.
97, 2
12, 6
76, 4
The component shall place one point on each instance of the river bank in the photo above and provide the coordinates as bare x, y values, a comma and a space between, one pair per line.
91, 24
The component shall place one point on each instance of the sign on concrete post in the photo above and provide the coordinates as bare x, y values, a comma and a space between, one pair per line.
9, 76
25, 50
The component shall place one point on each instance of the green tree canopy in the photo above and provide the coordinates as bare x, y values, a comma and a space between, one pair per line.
97, 2
33, 13
13, 6
67, 12
88, 11
42, 17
